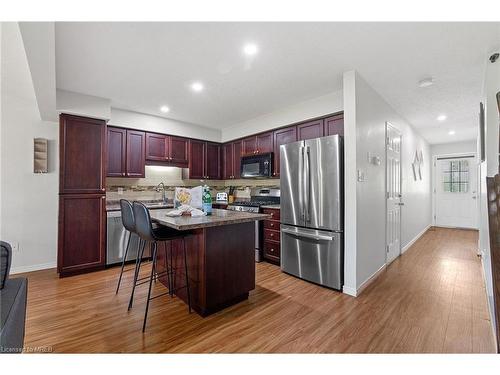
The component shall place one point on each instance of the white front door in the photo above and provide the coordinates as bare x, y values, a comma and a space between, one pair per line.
393, 193
456, 192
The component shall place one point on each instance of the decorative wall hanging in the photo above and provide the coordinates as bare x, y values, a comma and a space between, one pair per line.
417, 165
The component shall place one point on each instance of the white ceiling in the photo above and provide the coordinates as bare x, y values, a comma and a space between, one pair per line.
141, 66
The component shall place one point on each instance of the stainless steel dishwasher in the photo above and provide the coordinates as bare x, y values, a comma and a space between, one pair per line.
117, 237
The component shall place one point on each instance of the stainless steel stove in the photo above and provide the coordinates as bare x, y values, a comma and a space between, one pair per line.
258, 198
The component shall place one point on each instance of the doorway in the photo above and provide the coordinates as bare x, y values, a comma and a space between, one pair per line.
393, 192
455, 191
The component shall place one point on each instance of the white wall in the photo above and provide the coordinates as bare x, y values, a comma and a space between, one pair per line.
365, 115
29, 201
491, 86
78, 104
316, 107
142, 121
454, 148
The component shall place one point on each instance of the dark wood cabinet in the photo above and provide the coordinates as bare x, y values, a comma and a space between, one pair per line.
116, 152
231, 160
213, 161
166, 150
136, 154
310, 130
258, 144
204, 160
282, 137
125, 153
197, 157
334, 125
271, 236
178, 151
82, 199
82, 233
82, 155
156, 147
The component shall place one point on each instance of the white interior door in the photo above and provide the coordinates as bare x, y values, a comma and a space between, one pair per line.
456, 192
394, 194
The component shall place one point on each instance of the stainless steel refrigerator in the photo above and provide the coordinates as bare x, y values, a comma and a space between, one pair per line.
312, 210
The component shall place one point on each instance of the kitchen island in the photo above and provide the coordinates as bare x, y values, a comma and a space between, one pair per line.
221, 257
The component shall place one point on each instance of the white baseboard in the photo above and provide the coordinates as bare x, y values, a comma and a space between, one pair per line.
409, 244
356, 292
34, 267
349, 290
371, 279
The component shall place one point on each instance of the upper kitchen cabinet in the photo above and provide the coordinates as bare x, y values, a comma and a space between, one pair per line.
116, 155
126, 153
82, 155
204, 160
282, 137
310, 130
213, 161
136, 154
167, 150
178, 149
334, 125
197, 154
258, 144
156, 147
231, 160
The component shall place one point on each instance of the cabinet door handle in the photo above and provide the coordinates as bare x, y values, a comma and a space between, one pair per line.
271, 225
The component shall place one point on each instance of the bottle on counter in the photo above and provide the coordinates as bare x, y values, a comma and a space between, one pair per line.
207, 200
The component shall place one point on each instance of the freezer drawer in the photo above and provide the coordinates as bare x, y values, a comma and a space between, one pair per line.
313, 255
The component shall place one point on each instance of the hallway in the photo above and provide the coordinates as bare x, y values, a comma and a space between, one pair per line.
429, 300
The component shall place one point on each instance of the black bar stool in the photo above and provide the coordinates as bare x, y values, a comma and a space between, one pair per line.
128, 222
145, 230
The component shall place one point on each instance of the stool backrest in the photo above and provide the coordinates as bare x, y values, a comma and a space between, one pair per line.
143, 225
128, 219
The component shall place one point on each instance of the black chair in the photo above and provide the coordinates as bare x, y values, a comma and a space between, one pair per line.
128, 222
144, 228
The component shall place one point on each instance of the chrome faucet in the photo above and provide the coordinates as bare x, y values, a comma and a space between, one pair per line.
161, 187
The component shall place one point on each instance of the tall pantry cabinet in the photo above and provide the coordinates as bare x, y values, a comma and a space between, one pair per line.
82, 195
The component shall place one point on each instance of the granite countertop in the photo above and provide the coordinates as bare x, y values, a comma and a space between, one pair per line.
115, 205
275, 206
218, 217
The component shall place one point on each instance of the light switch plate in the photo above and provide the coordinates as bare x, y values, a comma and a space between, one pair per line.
120, 191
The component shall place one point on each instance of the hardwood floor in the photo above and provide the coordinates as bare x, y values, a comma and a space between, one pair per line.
431, 299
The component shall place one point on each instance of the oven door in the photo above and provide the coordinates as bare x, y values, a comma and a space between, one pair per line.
256, 166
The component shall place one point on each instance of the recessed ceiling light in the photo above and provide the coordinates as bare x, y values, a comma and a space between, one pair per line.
426, 82
441, 117
451, 132
164, 109
250, 49
197, 86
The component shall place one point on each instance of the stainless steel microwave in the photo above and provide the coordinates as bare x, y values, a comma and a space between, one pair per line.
257, 166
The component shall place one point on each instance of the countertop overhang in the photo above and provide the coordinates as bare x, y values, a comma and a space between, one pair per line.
218, 218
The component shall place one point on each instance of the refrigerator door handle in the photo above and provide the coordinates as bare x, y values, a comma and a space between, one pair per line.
302, 198
307, 190
318, 237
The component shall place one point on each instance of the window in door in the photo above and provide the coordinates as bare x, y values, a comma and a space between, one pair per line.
455, 175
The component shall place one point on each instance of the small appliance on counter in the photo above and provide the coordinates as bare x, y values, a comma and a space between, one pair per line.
221, 198
258, 198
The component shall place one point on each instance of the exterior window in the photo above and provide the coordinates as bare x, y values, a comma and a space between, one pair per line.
456, 176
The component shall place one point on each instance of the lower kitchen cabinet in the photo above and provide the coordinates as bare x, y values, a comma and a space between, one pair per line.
82, 233
272, 243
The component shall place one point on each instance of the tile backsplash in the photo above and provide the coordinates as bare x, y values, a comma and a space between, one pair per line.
144, 188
